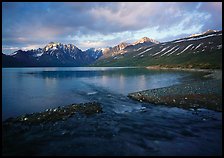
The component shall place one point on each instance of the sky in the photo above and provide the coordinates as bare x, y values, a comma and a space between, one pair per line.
32, 25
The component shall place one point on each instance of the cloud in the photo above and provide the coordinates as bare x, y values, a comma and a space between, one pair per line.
29, 47
91, 44
37, 23
214, 9
10, 48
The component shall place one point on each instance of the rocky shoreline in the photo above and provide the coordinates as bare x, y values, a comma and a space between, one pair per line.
56, 114
159, 67
200, 94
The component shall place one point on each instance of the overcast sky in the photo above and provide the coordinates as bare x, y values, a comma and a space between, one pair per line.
100, 24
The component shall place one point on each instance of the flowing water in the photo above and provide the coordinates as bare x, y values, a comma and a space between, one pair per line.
125, 127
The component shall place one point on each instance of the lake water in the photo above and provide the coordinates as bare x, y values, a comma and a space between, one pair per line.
125, 127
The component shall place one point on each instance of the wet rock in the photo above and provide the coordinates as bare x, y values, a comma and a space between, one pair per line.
53, 115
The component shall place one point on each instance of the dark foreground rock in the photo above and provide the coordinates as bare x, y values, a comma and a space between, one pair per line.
56, 114
201, 94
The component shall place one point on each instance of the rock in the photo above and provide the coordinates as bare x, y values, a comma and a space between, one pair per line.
61, 113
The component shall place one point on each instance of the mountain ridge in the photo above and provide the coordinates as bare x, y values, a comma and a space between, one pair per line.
54, 54
123, 54
124, 47
201, 51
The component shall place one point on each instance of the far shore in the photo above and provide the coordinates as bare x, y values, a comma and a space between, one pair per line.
214, 73
184, 69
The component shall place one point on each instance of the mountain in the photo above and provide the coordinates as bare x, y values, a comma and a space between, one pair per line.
9, 61
124, 47
62, 55
143, 42
111, 51
53, 54
94, 53
203, 50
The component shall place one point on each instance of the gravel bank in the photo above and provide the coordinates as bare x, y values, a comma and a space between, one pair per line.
200, 94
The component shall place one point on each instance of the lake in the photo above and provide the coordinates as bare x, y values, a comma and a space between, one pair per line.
125, 127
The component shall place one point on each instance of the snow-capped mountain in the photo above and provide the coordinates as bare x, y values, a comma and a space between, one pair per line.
56, 54
201, 51
145, 40
58, 48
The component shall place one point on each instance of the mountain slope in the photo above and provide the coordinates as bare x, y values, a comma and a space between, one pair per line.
9, 61
199, 51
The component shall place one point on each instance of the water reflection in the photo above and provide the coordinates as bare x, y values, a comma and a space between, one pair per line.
50, 82
119, 80
64, 74
79, 73
142, 82
104, 79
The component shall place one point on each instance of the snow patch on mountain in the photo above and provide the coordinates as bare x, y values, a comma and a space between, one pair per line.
173, 51
185, 49
160, 51
198, 46
168, 51
196, 38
